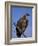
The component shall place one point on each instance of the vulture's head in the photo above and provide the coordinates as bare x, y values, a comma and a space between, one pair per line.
22, 24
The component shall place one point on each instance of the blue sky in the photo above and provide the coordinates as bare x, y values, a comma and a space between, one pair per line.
16, 13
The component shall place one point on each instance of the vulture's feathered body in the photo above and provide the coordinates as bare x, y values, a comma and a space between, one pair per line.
21, 25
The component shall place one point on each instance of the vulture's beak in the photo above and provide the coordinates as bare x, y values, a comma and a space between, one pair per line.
27, 14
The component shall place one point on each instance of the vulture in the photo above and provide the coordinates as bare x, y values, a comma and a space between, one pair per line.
21, 25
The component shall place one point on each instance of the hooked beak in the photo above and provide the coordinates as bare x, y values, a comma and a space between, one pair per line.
27, 14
